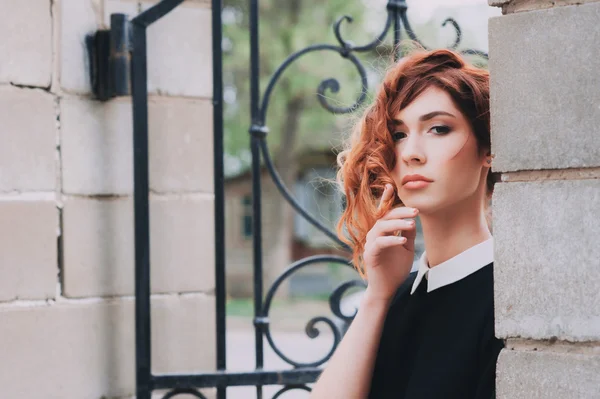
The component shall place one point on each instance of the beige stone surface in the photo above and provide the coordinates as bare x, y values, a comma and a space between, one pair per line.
543, 88
513, 6
86, 350
29, 135
181, 145
179, 52
97, 146
548, 375
28, 248
76, 19
26, 45
99, 245
547, 259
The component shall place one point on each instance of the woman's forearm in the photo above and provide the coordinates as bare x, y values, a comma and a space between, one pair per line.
348, 372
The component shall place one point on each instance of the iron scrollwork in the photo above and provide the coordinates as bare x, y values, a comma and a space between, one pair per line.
183, 391
311, 330
397, 16
112, 73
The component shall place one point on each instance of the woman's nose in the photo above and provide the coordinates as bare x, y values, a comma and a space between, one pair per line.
411, 150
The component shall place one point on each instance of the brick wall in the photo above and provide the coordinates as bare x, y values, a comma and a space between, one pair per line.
66, 206
545, 75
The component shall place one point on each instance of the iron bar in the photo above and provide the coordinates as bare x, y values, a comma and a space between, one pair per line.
141, 213
219, 188
232, 379
256, 136
303, 373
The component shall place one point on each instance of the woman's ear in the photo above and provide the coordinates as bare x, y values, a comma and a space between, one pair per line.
487, 159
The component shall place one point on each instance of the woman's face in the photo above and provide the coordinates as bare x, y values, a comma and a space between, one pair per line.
433, 139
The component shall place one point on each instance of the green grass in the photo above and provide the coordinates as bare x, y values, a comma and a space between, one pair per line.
244, 307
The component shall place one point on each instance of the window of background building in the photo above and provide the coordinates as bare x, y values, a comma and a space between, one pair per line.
247, 217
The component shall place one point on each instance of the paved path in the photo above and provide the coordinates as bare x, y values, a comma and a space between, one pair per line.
296, 345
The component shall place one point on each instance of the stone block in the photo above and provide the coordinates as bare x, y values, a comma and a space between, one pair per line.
77, 19
86, 349
97, 146
548, 375
29, 135
180, 52
547, 259
99, 245
543, 89
28, 248
181, 145
513, 6
26, 45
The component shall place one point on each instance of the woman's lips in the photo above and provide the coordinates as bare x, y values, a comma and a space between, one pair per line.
415, 184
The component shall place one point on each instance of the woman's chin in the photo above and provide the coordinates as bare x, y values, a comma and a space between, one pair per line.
425, 204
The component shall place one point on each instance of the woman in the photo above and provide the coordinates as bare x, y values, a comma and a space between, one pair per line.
421, 149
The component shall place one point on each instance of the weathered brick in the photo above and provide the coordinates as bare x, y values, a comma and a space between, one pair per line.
26, 45
179, 52
548, 375
544, 97
99, 245
28, 254
97, 146
547, 259
87, 349
29, 134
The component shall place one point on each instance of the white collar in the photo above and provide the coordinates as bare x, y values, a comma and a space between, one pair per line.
456, 268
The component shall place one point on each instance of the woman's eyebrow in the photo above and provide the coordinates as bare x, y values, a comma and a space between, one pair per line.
425, 117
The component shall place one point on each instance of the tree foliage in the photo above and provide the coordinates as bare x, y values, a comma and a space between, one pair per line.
295, 118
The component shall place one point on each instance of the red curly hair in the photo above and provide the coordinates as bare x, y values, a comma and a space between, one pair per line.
365, 165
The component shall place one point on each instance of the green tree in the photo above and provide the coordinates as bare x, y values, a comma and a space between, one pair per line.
295, 118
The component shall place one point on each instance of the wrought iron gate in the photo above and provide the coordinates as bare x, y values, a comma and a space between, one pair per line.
118, 67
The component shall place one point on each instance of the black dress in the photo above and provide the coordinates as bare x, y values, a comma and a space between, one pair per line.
439, 344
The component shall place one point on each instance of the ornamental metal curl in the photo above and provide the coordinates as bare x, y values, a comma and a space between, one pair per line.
289, 197
397, 11
397, 14
131, 37
183, 391
290, 388
335, 299
454, 46
311, 330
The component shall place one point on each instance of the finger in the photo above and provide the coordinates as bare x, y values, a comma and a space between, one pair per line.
401, 212
387, 194
387, 227
388, 241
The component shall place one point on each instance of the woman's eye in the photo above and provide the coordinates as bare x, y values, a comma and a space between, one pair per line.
441, 130
398, 135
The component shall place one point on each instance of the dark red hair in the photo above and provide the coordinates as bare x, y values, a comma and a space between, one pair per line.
366, 165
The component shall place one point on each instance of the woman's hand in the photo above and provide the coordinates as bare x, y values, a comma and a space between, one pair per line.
388, 257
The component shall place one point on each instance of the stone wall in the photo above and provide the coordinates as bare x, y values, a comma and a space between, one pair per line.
545, 75
66, 206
